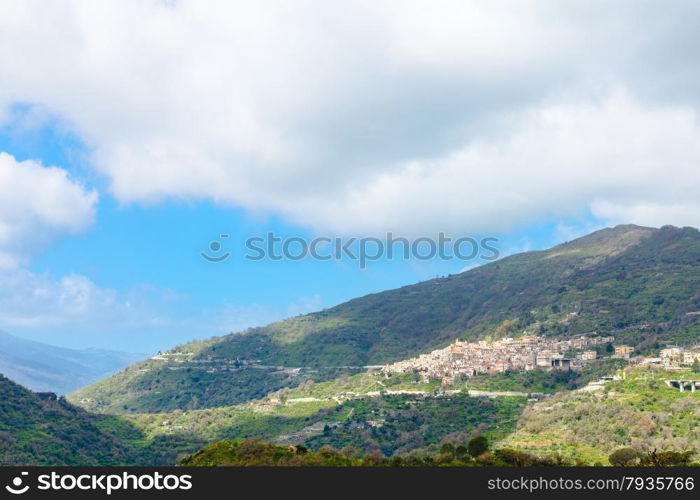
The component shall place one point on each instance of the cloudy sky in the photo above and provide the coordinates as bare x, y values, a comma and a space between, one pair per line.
133, 133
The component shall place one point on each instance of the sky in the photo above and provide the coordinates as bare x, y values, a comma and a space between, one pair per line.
139, 137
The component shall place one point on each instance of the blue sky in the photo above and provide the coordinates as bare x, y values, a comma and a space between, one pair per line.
133, 134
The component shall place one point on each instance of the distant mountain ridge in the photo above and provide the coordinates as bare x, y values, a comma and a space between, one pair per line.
46, 368
640, 284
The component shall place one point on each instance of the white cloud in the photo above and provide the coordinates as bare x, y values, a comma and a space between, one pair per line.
35, 300
374, 116
36, 204
622, 161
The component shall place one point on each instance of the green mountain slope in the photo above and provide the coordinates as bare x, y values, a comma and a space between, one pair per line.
581, 427
40, 429
639, 412
639, 284
366, 411
43, 429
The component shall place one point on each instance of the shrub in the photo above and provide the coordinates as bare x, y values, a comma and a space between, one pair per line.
478, 446
667, 458
623, 457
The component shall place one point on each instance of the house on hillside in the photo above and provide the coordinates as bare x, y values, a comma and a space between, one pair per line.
623, 352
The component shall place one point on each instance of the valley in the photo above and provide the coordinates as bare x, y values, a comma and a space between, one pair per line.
638, 285
563, 355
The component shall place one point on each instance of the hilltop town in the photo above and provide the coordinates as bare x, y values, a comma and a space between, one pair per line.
467, 359
529, 352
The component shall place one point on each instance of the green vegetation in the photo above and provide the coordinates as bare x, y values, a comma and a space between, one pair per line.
151, 387
256, 453
547, 382
478, 446
398, 424
252, 452
386, 425
624, 457
41, 429
234, 422
629, 457
248, 453
640, 412
638, 284
434, 428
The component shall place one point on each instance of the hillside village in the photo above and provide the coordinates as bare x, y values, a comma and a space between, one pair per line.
530, 352
467, 359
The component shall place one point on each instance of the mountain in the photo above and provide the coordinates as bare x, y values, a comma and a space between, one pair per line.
639, 284
43, 367
42, 429
414, 419
636, 412
639, 411
369, 414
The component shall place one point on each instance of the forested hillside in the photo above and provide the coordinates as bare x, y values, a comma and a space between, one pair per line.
639, 284
43, 429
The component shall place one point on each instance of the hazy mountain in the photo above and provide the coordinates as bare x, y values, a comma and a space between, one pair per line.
43, 367
639, 284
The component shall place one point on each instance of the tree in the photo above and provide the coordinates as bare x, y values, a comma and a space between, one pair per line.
515, 458
623, 457
696, 366
667, 458
478, 446
448, 449
461, 452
